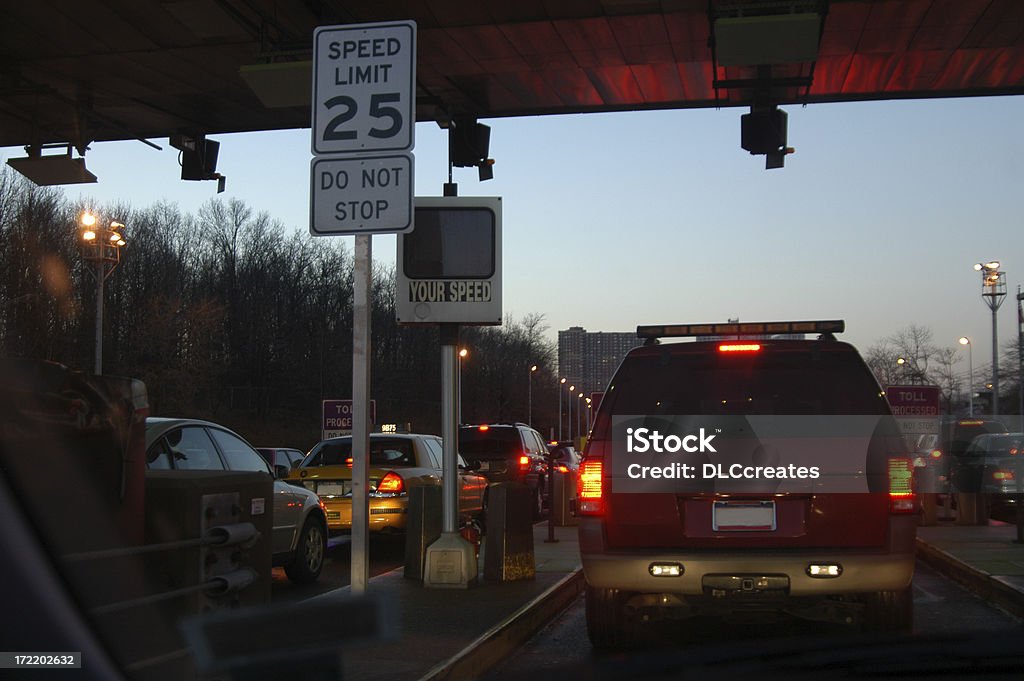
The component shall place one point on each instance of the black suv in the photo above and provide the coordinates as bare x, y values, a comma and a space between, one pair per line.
509, 452
724, 477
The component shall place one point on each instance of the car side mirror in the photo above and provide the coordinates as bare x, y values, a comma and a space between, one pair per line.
281, 472
473, 465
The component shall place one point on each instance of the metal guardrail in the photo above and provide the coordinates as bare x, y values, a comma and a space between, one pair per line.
237, 534
221, 535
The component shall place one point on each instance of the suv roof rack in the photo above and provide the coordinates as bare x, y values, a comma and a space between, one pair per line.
827, 328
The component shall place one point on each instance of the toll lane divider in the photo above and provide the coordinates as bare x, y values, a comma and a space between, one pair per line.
505, 637
991, 588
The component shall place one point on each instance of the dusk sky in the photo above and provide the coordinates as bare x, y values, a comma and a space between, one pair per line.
614, 220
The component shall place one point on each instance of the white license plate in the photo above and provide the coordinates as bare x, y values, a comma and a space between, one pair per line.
743, 516
334, 489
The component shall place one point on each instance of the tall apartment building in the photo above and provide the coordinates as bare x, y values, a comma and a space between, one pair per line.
588, 359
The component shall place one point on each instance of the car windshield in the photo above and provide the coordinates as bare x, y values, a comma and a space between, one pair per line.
210, 213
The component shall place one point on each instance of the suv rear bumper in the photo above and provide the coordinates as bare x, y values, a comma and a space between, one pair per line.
862, 571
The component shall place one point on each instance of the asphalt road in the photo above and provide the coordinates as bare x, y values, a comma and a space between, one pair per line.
386, 553
940, 607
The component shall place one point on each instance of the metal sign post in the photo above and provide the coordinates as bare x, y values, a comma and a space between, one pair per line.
364, 103
360, 413
449, 273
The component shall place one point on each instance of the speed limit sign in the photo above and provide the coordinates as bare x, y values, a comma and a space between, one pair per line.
364, 88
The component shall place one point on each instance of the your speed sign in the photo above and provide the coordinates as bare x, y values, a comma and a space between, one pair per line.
364, 88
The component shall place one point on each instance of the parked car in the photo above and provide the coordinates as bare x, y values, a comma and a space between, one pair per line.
397, 463
962, 466
996, 463
300, 523
841, 556
281, 456
564, 457
509, 452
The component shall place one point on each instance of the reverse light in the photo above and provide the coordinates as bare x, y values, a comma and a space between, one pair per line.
665, 569
391, 483
739, 347
824, 570
589, 490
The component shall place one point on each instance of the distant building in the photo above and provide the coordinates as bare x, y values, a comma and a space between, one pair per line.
588, 359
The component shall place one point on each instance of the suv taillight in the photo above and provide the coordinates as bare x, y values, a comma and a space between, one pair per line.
901, 486
590, 487
524, 462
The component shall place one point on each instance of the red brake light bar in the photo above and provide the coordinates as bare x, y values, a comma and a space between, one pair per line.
739, 347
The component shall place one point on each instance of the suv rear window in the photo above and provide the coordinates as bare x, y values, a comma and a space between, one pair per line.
799, 380
496, 442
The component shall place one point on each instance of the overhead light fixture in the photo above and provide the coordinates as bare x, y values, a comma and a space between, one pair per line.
763, 131
198, 158
280, 84
53, 169
468, 146
751, 34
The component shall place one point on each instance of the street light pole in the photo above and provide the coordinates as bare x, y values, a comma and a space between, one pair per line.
1020, 358
964, 340
100, 278
462, 355
993, 291
529, 393
561, 382
572, 389
579, 415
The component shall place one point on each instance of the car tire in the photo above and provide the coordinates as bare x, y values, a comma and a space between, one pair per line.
310, 552
608, 627
889, 611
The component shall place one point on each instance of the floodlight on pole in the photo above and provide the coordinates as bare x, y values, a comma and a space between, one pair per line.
101, 246
993, 291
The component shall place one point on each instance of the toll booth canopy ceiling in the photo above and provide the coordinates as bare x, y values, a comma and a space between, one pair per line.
92, 70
